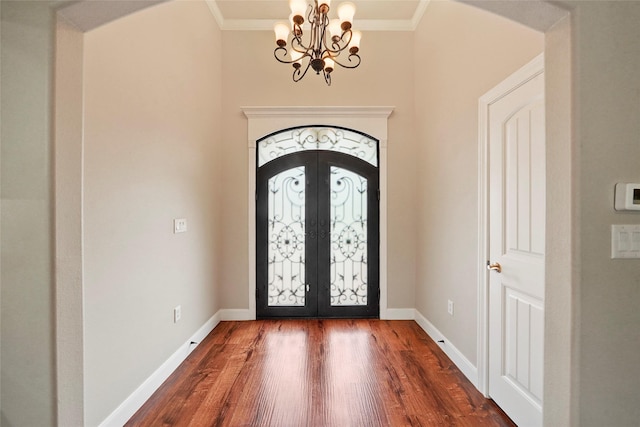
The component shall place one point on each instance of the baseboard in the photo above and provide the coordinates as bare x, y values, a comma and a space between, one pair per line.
398, 314
236, 314
456, 356
135, 401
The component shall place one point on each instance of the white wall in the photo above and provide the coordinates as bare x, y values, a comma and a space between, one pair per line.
151, 154
461, 53
252, 77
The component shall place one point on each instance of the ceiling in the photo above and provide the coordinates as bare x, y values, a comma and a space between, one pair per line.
371, 15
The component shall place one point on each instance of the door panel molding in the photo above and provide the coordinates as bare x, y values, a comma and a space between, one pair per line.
262, 121
526, 73
303, 165
370, 173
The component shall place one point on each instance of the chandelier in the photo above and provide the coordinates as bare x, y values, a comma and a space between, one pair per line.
328, 38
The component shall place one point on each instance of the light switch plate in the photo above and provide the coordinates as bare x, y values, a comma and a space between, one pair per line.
625, 241
180, 225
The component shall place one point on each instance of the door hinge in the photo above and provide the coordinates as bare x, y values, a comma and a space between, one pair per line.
378, 194
256, 196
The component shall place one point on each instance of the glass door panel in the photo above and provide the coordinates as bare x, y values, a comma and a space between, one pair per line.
286, 239
348, 218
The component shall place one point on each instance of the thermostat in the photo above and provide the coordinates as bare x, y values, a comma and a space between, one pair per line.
627, 197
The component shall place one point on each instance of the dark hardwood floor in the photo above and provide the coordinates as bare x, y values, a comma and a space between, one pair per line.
321, 373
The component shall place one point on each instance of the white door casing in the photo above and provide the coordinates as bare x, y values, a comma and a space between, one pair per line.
513, 143
370, 120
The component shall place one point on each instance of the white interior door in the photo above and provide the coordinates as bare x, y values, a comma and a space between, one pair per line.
516, 189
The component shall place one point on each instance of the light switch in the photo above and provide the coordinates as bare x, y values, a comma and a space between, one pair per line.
180, 225
625, 241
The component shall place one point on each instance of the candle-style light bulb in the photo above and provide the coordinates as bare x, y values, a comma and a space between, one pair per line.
335, 30
295, 55
354, 44
298, 9
282, 33
328, 65
346, 12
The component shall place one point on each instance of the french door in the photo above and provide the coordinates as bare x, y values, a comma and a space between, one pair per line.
317, 236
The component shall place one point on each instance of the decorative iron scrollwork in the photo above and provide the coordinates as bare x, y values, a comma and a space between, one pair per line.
286, 285
348, 238
318, 138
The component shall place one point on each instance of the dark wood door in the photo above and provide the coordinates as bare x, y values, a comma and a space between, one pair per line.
317, 236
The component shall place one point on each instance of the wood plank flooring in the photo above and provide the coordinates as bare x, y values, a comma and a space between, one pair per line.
321, 373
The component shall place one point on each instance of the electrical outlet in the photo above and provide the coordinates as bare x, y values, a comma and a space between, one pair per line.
177, 314
450, 307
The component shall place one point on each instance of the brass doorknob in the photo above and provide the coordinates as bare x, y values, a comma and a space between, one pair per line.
495, 266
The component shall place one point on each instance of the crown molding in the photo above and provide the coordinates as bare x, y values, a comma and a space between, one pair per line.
419, 13
362, 24
215, 11
293, 111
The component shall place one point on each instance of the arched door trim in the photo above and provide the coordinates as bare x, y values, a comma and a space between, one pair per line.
266, 120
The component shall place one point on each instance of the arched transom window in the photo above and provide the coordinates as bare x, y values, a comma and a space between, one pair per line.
326, 138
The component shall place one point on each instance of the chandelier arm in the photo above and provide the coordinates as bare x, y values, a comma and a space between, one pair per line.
327, 77
315, 41
312, 13
322, 36
297, 39
298, 74
336, 52
298, 46
336, 47
284, 54
350, 33
283, 51
356, 61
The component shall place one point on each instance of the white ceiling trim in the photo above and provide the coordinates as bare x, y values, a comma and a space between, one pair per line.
318, 111
215, 11
363, 24
89, 15
419, 13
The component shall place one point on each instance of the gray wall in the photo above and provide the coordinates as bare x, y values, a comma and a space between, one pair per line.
461, 53
69, 126
258, 80
27, 372
152, 120
607, 151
